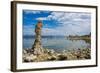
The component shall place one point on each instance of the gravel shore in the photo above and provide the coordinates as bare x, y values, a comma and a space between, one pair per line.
51, 55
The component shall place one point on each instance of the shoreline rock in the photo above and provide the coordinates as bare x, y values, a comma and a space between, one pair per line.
51, 55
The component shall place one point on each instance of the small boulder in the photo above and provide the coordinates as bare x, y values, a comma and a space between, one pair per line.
62, 57
29, 58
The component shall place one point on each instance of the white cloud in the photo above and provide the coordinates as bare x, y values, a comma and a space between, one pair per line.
28, 30
31, 11
50, 31
53, 16
41, 18
70, 23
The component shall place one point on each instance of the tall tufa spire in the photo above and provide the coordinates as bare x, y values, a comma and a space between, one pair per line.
37, 46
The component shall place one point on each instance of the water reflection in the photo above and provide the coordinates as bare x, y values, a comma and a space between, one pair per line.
59, 44
86, 40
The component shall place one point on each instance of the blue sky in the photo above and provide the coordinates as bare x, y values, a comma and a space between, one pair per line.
57, 22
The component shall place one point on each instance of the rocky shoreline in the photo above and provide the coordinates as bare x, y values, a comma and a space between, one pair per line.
51, 55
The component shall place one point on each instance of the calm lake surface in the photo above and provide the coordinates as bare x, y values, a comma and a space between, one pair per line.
57, 43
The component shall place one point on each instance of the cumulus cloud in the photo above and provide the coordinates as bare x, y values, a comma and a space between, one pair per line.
52, 16
71, 23
41, 18
68, 23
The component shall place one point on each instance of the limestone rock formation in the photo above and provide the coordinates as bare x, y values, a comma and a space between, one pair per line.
37, 46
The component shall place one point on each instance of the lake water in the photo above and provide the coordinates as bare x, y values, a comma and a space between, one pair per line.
57, 43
